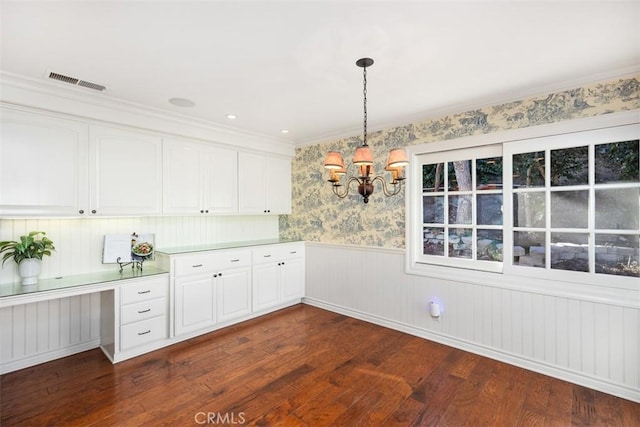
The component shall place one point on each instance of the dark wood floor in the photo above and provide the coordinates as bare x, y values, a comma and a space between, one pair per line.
301, 366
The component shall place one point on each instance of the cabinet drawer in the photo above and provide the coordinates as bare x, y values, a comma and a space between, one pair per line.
143, 310
143, 291
266, 254
143, 332
212, 262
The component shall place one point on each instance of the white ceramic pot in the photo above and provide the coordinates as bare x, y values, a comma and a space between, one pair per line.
29, 270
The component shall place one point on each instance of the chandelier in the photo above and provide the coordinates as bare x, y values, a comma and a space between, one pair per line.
363, 160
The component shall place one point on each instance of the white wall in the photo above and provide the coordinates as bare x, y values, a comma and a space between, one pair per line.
596, 344
79, 241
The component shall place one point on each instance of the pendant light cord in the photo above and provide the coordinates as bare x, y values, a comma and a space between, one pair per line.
364, 92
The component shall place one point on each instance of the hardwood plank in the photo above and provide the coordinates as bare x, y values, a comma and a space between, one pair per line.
301, 366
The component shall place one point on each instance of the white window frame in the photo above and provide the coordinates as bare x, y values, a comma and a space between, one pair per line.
446, 157
590, 286
588, 138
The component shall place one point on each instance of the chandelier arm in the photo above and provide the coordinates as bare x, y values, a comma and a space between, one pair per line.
334, 187
397, 186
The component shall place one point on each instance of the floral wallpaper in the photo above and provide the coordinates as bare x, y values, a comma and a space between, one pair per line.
318, 215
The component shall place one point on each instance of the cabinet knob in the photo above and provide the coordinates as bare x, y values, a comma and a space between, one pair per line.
206, 211
201, 211
93, 211
81, 211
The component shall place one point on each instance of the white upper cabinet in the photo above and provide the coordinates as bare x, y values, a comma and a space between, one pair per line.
125, 172
56, 167
264, 184
199, 179
43, 165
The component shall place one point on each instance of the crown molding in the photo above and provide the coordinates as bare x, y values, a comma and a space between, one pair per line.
73, 101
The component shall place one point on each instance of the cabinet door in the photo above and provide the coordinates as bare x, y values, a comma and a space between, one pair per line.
221, 181
183, 185
126, 172
55, 182
251, 183
195, 304
292, 279
234, 294
278, 185
265, 285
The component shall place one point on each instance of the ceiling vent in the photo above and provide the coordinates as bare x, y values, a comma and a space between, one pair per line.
77, 82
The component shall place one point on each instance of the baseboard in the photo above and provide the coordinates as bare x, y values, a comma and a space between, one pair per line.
39, 358
492, 353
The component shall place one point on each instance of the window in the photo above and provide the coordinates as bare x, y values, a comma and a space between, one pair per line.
462, 208
574, 204
562, 207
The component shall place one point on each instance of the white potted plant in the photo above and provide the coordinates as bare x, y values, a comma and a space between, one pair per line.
27, 253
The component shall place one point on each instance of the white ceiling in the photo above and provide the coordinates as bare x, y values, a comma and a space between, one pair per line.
291, 65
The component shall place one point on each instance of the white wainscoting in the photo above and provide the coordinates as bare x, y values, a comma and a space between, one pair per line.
38, 332
586, 342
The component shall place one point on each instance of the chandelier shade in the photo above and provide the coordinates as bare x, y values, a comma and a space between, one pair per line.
363, 156
333, 160
397, 158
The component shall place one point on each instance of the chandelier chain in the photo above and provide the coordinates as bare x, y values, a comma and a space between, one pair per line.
364, 92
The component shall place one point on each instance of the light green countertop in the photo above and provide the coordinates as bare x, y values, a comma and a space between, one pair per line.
225, 245
60, 283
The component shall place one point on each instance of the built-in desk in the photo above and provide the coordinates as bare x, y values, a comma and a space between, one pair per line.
15, 293
62, 316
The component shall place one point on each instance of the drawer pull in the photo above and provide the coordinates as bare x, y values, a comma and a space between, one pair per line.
267, 256
235, 260
293, 252
197, 265
144, 292
144, 311
144, 333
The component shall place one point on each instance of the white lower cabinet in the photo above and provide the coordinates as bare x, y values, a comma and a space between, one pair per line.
234, 294
143, 313
135, 317
195, 306
278, 275
211, 287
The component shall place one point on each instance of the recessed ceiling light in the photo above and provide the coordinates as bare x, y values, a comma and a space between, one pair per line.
284, 131
182, 102
231, 116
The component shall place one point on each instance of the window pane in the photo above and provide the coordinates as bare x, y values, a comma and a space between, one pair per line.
616, 254
528, 169
570, 251
432, 177
570, 166
618, 162
489, 209
460, 243
569, 209
529, 249
460, 209
528, 210
460, 175
618, 208
489, 173
433, 241
433, 209
489, 244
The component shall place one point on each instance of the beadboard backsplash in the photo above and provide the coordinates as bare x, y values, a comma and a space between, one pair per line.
79, 241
